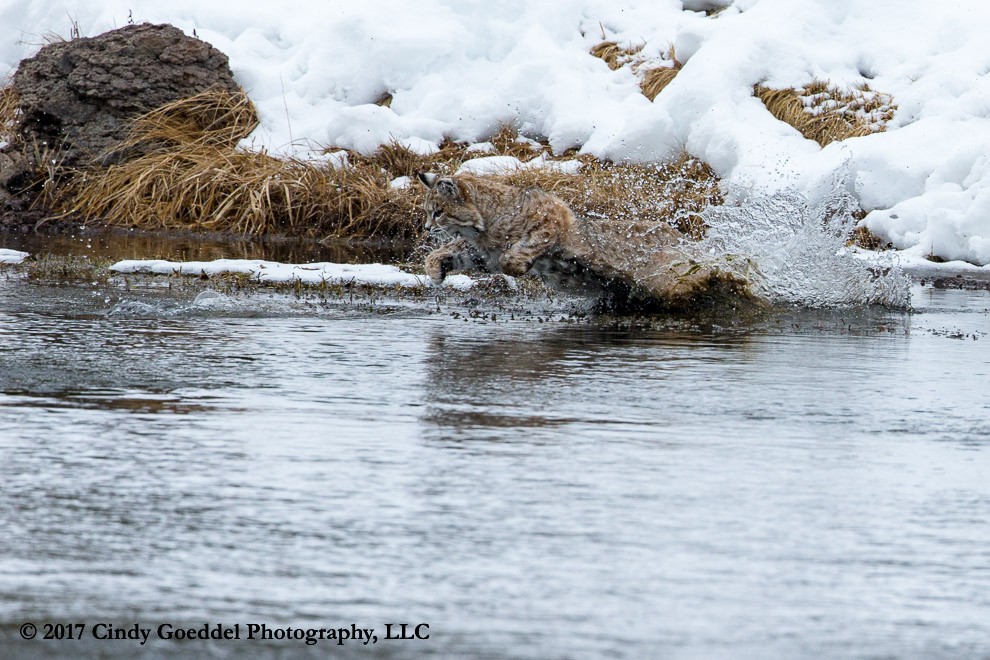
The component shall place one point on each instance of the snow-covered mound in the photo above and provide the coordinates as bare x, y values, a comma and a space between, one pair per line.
458, 69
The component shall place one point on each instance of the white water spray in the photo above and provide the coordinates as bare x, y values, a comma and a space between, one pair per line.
799, 251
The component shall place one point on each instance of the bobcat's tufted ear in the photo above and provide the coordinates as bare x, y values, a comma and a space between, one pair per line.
427, 179
447, 188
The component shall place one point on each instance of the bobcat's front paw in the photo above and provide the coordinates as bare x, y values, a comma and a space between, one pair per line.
438, 264
514, 264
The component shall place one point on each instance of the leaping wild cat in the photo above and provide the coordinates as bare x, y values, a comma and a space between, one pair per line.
499, 228
496, 227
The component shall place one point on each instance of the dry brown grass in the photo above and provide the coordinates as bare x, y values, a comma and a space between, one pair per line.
215, 117
8, 112
187, 173
508, 142
653, 78
201, 187
866, 239
398, 160
674, 192
385, 100
615, 55
824, 113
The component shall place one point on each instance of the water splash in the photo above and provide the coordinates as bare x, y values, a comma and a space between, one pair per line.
206, 302
796, 250
134, 309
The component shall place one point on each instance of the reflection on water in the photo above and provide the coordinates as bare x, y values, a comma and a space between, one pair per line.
804, 484
117, 244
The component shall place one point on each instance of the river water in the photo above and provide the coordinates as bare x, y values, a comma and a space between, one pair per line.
802, 484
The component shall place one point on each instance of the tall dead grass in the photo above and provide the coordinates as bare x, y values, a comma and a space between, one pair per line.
185, 171
188, 173
822, 112
8, 113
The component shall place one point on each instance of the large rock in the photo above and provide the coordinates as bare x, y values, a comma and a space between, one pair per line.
77, 97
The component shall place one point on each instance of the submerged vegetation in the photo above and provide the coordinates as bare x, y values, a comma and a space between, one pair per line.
66, 269
823, 112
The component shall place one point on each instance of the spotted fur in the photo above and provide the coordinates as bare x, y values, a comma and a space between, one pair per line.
494, 226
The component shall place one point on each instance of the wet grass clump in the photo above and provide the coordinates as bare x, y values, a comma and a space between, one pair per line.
62, 269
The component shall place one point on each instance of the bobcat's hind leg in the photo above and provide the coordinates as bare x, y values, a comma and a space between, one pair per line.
519, 257
454, 257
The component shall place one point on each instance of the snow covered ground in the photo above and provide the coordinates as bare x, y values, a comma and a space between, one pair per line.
458, 69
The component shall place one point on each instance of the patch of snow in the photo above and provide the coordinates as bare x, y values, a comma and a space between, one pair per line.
542, 162
274, 272
490, 165
12, 256
480, 148
502, 164
336, 159
400, 183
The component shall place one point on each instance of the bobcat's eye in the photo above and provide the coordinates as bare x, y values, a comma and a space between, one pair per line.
437, 214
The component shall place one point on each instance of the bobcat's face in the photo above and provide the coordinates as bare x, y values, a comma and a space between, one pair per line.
448, 206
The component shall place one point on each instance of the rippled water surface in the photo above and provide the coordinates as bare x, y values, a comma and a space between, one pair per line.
805, 485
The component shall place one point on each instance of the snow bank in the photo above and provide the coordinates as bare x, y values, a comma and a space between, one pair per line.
12, 256
458, 69
274, 272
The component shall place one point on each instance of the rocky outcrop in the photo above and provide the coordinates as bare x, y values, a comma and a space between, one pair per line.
76, 100
78, 97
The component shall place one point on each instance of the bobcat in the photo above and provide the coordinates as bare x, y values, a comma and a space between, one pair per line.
499, 228
496, 227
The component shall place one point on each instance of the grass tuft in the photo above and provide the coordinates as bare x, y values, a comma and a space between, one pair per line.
215, 117
653, 76
65, 269
615, 56
189, 174
866, 239
8, 113
822, 112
